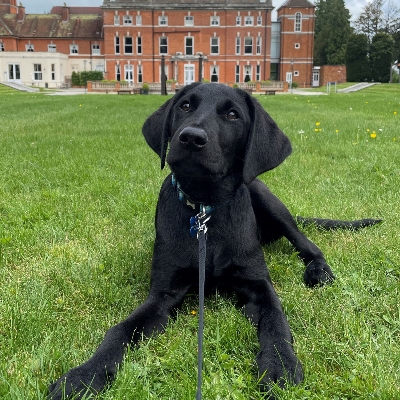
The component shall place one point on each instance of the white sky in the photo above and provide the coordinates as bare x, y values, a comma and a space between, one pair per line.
41, 6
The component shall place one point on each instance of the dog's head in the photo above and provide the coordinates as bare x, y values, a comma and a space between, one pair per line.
215, 130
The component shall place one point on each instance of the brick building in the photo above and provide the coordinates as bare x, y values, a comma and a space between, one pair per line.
236, 41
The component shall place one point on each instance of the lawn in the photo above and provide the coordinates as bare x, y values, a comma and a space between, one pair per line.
78, 190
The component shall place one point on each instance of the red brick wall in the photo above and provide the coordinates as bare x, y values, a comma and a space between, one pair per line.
332, 73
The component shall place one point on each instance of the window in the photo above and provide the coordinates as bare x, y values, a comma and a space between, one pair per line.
258, 72
214, 20
139, 45
37, 72
118, 72
259, 20
127, 20
237, 73
237, 51
214, 45
29, 47
163, 45
116, 19
53, 72
249, 21
258, 45
165, 72
297, 23
297, 45
51, 48
138, 20
73, 49
296, 73
189, 45
214, 73
117, 46
1, 46
238, 20
140, 73
129, 73
248, 45
247, 73
189, 20
163, 20
128, 45
95, 49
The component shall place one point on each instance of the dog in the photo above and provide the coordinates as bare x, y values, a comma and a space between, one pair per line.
220, 139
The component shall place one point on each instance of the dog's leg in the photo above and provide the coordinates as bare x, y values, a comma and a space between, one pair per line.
276, 360
275, 221
92, 376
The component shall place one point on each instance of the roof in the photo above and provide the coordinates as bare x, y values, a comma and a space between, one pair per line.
51, 26
77, 10
297, 4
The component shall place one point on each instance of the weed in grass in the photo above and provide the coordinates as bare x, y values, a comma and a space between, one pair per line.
78, 189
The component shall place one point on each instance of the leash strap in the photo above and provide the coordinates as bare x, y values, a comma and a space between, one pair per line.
202, 275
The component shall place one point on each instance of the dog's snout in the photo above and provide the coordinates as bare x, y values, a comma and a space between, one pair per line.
193, 136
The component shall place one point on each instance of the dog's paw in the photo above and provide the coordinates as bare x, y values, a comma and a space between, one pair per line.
78, 382
318, 273
281, 370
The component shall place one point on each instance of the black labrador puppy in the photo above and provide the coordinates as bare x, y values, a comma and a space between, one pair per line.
220, 139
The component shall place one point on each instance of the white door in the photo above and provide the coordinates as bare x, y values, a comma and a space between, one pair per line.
189, 74
129, 73
14, 73
289, 77
315, 78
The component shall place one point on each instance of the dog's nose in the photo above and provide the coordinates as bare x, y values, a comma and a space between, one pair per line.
195, 137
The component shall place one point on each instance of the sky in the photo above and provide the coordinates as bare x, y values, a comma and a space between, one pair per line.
41, 6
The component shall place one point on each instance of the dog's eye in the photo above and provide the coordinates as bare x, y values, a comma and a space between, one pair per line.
232, 114
185, 106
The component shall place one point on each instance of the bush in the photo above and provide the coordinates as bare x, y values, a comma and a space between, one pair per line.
80, 78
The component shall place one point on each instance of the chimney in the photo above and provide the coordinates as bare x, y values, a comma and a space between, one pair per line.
21, 13
65, 13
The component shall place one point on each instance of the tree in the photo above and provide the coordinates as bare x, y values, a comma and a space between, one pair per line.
357, 63
332, 29
381, 56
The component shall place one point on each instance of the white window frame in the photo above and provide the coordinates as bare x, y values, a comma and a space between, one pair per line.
2, 46
117, 45
166, 70
258, 72
296, 73
248, 20
188, 47
37, 72
247, 68
259, 20
118, 73
116, 19
96, 49
238, 43
139, 45
126, 44
163, 45
237, 73
189, 20
238, 20
297, 22
248, 46
212, 69
258, 45
138, 20
73, 49
53, 72
140, 73
127, 20
214, 43
189, 71
297, 45
29, 47
51, 48
214, 20
163, 20
128, 73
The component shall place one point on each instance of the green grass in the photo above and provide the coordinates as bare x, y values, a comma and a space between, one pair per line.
78, 189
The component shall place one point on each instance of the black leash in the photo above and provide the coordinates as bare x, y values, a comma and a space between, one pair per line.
198, 224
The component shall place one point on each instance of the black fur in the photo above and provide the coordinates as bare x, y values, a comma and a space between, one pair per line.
220, 140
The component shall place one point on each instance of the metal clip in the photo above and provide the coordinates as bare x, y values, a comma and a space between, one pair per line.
198, 223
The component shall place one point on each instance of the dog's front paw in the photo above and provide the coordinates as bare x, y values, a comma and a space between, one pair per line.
77, 382
280, 369
318, 273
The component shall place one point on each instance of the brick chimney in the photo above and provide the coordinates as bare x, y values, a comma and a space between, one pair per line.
21, 13
65, 13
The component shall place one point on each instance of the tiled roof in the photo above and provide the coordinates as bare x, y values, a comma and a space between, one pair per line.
52, 26
77, 10
297, 3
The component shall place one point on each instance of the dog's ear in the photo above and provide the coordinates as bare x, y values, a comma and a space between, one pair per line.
156, 129
267, 145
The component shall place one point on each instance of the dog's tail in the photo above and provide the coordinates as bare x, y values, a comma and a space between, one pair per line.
329, 224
